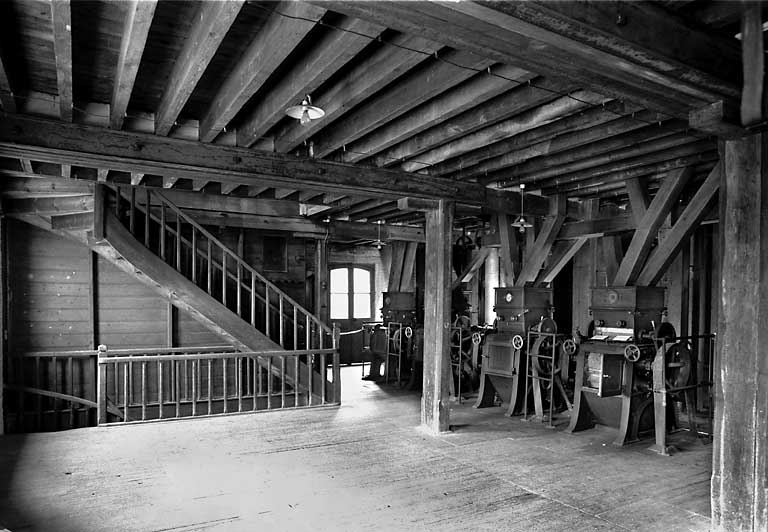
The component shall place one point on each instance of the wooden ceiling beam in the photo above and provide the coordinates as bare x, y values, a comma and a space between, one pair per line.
454, 126
578, 144
612, 185
375, 214
525, 121
562, 252
645, 144
281, 33
640, 246
663, 255
648, 44
66, 170
597, 227
506, 39
335, 48
412, 90
540, 136
228, 188
138, 20
47, 206
19, 183
7, 98
446, 107
62, 48
56, 142
691, 149
393, 58
211, 25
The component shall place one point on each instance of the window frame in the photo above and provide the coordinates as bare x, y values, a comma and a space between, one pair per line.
371, 269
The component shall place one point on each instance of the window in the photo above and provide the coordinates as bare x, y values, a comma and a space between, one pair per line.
351, 293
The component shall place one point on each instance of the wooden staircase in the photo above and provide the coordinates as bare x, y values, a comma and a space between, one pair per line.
144, 234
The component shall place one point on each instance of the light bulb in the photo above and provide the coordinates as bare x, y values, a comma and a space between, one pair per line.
304, 117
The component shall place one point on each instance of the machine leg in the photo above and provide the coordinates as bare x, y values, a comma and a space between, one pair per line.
486, 393
627, 434
581, 416
519, 370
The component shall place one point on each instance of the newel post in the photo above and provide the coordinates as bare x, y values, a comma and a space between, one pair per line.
101, 385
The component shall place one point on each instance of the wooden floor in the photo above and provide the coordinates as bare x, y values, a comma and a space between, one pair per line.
364, 466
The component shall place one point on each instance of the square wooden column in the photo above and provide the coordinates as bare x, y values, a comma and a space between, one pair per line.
437, 318
740, 469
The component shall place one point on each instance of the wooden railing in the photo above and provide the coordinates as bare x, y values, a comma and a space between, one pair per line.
173, 383
50, 390
198, 255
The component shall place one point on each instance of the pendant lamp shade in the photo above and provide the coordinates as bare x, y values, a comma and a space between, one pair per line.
520, 222
305, 112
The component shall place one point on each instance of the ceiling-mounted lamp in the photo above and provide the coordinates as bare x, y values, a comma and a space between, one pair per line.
520, 222
305, 112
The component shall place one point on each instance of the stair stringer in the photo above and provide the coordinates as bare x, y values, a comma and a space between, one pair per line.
120, 248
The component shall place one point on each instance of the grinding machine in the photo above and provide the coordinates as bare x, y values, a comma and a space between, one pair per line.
518, 310
399, 337
614, 373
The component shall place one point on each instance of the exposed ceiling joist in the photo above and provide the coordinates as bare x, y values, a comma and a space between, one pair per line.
62, 47
138, 20
211, 26
282, 32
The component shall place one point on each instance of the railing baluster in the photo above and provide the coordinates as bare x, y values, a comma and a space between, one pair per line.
160, 389
269, 383
266, 310
323, 372
210, 387
194, 389
282, 381
224, 277
295, 327
130, 382
39, 400
186, 381
71, 391
132, 212
307, 333
224, 363
281, 319
162, 230
178, 244
239, 292
194, 255
125, 392
309, 374
256, 384
296, 380
210, 266
176, 381
239, 382
147, 217
261, 380
143, 391
253, 301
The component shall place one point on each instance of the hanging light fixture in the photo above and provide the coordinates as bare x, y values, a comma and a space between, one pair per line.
305, 112
520, 222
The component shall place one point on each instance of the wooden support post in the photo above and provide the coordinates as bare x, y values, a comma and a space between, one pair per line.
409, 266
336, 364
437, 318
322, 293
753, 60
99, 211
396, 266
3, 310
739, 480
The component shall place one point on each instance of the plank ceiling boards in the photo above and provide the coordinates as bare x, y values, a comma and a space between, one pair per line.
455, 99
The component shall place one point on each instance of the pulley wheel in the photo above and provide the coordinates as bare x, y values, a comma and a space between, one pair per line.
665, 331
569, 346
547, 325
632, 353
517, 341
678, 361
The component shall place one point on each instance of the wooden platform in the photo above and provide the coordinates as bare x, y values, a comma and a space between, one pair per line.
364, 466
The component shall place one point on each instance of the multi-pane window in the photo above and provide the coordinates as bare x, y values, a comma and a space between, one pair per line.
351, 293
